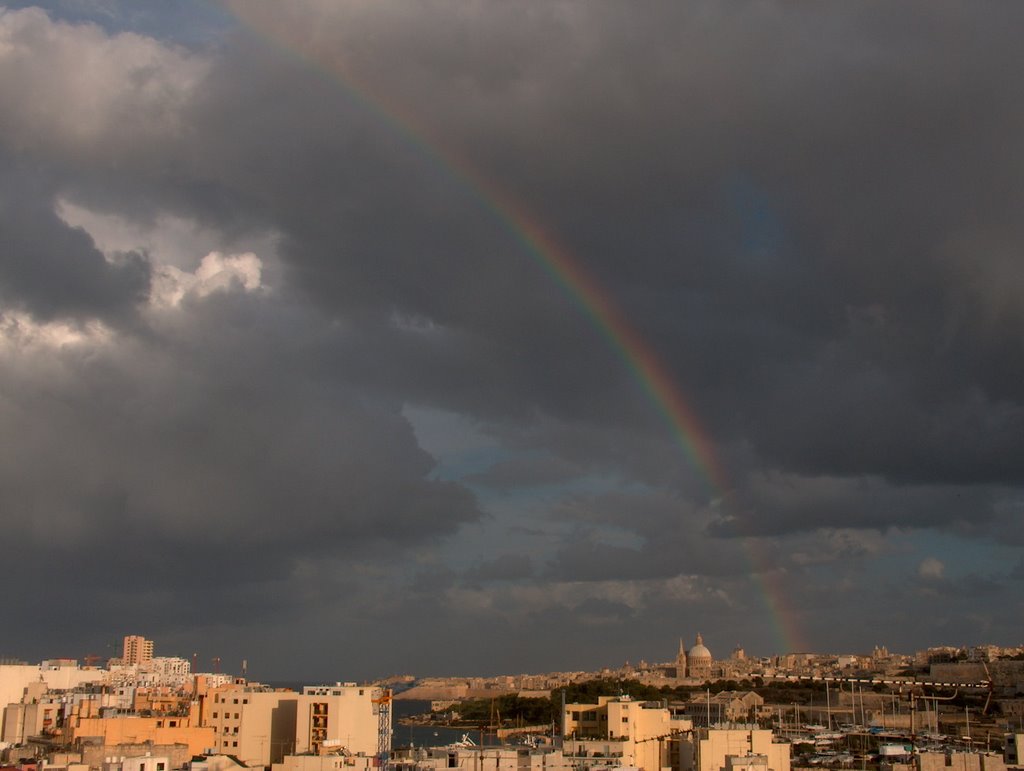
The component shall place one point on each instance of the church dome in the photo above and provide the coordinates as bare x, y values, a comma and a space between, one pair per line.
699, 651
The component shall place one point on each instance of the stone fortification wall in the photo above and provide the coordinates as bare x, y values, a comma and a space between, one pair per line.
1005, 674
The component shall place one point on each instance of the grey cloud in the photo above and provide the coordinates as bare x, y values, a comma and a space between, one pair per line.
639, 536
53, 270
781, 503
780, 338
194, 476
670, 537
526, 472
810, 215
600, 613
507, 567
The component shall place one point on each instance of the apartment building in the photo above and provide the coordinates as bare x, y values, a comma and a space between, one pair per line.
261, 726
735, 749
641, 734
88, 722
136, 650
339, 715
255, 724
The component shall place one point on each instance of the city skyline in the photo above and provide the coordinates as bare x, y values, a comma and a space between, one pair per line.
736, 663
382, 337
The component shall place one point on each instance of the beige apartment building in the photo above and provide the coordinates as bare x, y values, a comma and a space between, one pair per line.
469, 758
255, 724
735, 749
39, 712
56, 675
260, 726
137, 649
341, 715
641, 734
86, 724
326, 763
23, 720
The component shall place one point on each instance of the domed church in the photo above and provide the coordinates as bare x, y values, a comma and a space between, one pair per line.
698, 660
695, 665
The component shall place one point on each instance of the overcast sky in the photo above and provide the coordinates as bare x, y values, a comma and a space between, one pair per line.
331, 332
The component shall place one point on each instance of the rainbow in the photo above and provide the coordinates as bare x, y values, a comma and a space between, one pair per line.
595, 303
565, 269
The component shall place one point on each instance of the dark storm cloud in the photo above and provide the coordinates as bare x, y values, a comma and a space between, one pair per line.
779, 503
53, 270
760, 191
504, 568
518, 473
651, 535
206, 467
809, 213
157, 447
639, 536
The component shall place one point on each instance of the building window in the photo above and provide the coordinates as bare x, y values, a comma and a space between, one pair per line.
625, 719
161, 766
234, 744
576, 715
214, 715
236, 701
245, 701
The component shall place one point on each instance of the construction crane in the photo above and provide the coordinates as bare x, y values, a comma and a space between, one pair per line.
383, 703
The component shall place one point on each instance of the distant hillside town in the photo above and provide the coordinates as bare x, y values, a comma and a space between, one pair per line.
940, 708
